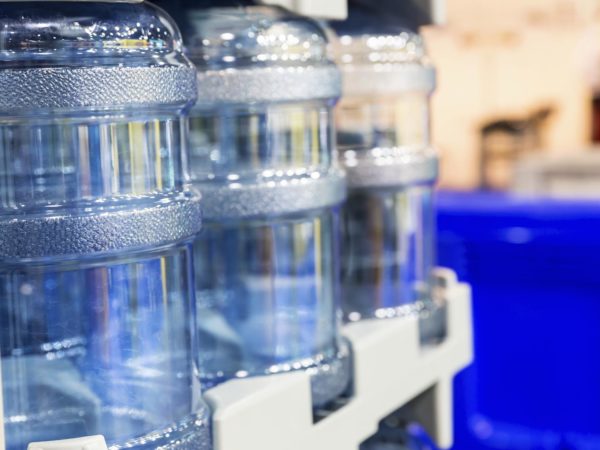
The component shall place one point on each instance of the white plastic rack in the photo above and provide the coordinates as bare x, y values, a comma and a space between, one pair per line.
391, 369
329, 9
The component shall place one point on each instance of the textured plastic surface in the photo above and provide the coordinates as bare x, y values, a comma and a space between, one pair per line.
68, 234
288, 193
390, 369
95, 87
269, 84
379, 62
532, 264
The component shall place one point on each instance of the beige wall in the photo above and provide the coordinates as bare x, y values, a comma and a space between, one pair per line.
486, 14
490, 69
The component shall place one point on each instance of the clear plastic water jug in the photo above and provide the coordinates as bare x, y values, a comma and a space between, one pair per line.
384, 142
96, 224
267, 262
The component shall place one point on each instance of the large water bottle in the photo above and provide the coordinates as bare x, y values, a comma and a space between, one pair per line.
96, 222
384, 141
267, 263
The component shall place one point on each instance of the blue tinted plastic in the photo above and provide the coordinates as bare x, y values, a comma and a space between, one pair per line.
532, 266
267, 270
388, 251
96, 222
273, 284
383, 136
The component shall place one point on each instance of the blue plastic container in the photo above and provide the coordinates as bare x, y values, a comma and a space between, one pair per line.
532, 264
96, 222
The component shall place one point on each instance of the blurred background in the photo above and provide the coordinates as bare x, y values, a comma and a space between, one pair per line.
516, 118
517, 93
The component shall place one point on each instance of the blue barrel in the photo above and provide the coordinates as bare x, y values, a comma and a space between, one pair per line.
532, 264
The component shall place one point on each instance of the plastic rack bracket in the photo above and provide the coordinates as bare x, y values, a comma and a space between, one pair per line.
84, 443
324, 9
391, 370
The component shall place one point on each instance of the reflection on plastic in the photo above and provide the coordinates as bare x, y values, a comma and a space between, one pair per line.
384, 141
267, 273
